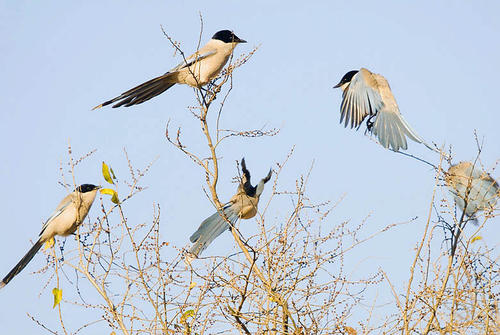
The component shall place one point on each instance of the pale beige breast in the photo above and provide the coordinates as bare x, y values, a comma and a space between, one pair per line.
71, 217
202, 72
246, 206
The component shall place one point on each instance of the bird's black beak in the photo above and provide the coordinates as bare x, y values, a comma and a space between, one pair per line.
97, 187
338, 85
238, 40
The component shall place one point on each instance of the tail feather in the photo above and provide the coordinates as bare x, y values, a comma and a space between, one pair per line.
398, 133
143, 92
147, 95
392, 130
210, 229
22, 263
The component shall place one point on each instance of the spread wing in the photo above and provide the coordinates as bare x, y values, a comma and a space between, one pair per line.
392, 129
245, 180
360, 98
266, 178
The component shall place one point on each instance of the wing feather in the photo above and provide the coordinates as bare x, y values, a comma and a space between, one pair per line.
369, 94
60, 208
360, 99
196, 57
396, 129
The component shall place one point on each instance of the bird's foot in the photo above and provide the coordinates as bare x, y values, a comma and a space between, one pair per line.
370, 123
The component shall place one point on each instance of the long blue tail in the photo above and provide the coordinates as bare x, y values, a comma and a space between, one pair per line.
209, 229
22, 263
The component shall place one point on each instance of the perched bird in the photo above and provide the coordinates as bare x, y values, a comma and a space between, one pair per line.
70, 213
369, 94
242, 205
472, 187
197, 70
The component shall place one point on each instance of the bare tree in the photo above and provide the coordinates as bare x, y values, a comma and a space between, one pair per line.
454, 282
289, 277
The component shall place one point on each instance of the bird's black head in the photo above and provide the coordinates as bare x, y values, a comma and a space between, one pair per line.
346, 78
84, 188
227, 36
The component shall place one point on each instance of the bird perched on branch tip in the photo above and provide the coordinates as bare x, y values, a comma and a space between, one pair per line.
242, 205
68, 215
197, 70
473, 189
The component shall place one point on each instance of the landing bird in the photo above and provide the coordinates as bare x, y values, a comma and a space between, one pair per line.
68, 215
369, 94
469, 184
242, 205
196, 71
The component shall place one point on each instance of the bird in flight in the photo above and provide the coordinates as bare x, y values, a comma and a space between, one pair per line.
367, 94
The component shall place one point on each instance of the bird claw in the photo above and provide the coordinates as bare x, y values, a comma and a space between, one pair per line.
370, 123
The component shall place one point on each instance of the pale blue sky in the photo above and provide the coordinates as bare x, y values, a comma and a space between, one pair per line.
59, 59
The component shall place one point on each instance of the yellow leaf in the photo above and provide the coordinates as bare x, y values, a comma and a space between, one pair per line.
193, 284
112, 333
105, 173
476, 238
112, 173
57, 296
112, 193
186, 315
115, 199
49, 244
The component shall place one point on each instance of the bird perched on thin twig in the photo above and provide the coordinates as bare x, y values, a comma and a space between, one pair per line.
68, 215
473, 189
367, 94
242, 205
196, 71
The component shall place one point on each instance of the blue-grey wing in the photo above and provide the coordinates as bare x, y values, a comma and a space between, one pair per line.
192, 59
60, 209
485, 190
360, 98
391, 130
